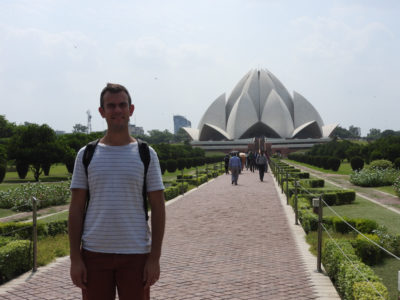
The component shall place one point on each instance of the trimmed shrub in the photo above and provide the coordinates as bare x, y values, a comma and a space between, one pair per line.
171, 165
369, 253
308, 220
397, 163
381, 164
313, 183
15, 259
3, 167
357, 163
22, 169
350, 273
46, 169
364, 291
340, 226
334, 163
330, 198
366, 225
163, 166
345, 197
171, 192
332, 256
374, 177
181, 163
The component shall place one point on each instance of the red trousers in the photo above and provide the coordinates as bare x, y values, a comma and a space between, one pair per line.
108, 272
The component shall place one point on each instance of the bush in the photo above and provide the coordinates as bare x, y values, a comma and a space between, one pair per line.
396, 186
163, 166
357, 163
340, 226
332, 256
350, 273
345, 197
374, 177
381, 164
369, 253
334, 163
20, 199
181, 163
396, 163
330, 198
364, 291
22, 169
15, 259
366, 225
171, 165
3, 167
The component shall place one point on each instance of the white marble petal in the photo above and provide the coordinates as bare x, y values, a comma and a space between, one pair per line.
215, 114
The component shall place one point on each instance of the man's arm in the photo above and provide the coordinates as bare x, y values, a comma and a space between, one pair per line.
75, 228
152, 267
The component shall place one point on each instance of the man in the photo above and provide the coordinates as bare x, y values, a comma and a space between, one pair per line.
110, 244
226, 161
261, 162
235, 166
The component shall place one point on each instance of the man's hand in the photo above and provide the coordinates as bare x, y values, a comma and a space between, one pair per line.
151, 271
78, 273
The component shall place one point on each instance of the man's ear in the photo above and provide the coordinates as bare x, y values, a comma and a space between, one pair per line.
101, 111
131, 109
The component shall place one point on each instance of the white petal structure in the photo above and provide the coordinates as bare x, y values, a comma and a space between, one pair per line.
260, 105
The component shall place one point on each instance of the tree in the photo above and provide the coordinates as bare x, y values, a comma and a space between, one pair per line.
342, 133
34, 145
181, 136
6, 128
79, 128
157, 136
355, 131
374, 134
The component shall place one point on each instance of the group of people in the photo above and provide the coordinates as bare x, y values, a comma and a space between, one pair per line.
236, 163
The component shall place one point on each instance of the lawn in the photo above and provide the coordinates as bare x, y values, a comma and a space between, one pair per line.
58, 172
362, 208
388, 271
344, 169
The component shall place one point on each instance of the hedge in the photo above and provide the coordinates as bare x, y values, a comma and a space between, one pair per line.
15, 259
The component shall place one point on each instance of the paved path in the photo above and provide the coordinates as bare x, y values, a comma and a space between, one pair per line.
221, 242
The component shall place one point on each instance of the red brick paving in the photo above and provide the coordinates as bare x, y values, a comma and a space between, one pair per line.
221, 242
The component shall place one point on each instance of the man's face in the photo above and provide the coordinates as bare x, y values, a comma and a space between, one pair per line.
116, 110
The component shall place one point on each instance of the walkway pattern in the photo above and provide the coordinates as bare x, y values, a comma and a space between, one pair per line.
221, 242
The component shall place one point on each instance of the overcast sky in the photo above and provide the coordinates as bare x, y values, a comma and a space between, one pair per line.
176, 57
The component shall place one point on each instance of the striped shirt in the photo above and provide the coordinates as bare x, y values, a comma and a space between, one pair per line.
115, 221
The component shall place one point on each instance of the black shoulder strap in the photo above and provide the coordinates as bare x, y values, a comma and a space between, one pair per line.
144, 152
88, 154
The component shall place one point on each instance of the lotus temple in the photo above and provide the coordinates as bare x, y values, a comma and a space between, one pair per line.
260, 107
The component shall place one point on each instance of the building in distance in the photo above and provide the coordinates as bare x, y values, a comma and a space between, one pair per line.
135, 130
180, 121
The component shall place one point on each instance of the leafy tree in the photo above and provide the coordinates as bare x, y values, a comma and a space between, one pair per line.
181, 136
374, 134
79, 128
342, 133
34, 145
6, 128
3, 162
157, 136
355, 131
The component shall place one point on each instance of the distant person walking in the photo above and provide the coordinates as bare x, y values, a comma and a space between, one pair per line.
235, 166
261, 162
226, 161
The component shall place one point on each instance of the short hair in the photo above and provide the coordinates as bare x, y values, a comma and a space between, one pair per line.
114, 88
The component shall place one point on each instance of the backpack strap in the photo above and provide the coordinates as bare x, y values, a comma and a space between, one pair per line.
88, 154
87, 157
144, 152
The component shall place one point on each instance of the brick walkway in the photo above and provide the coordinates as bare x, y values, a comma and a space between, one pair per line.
221, 242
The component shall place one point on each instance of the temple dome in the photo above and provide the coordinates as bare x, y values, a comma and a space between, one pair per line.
260, 105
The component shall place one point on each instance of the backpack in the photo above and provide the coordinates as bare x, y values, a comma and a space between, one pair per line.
144, 153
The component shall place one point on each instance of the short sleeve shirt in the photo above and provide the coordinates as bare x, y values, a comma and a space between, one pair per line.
115, 221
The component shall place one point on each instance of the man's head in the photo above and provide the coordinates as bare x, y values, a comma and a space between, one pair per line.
113, 88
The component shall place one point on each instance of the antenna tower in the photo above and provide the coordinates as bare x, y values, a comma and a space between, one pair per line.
89, 122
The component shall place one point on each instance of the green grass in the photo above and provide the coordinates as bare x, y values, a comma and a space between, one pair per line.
362, 208
6, 212
56, 217
344, 169
58, 172
50, 248
388, 272
387, 189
